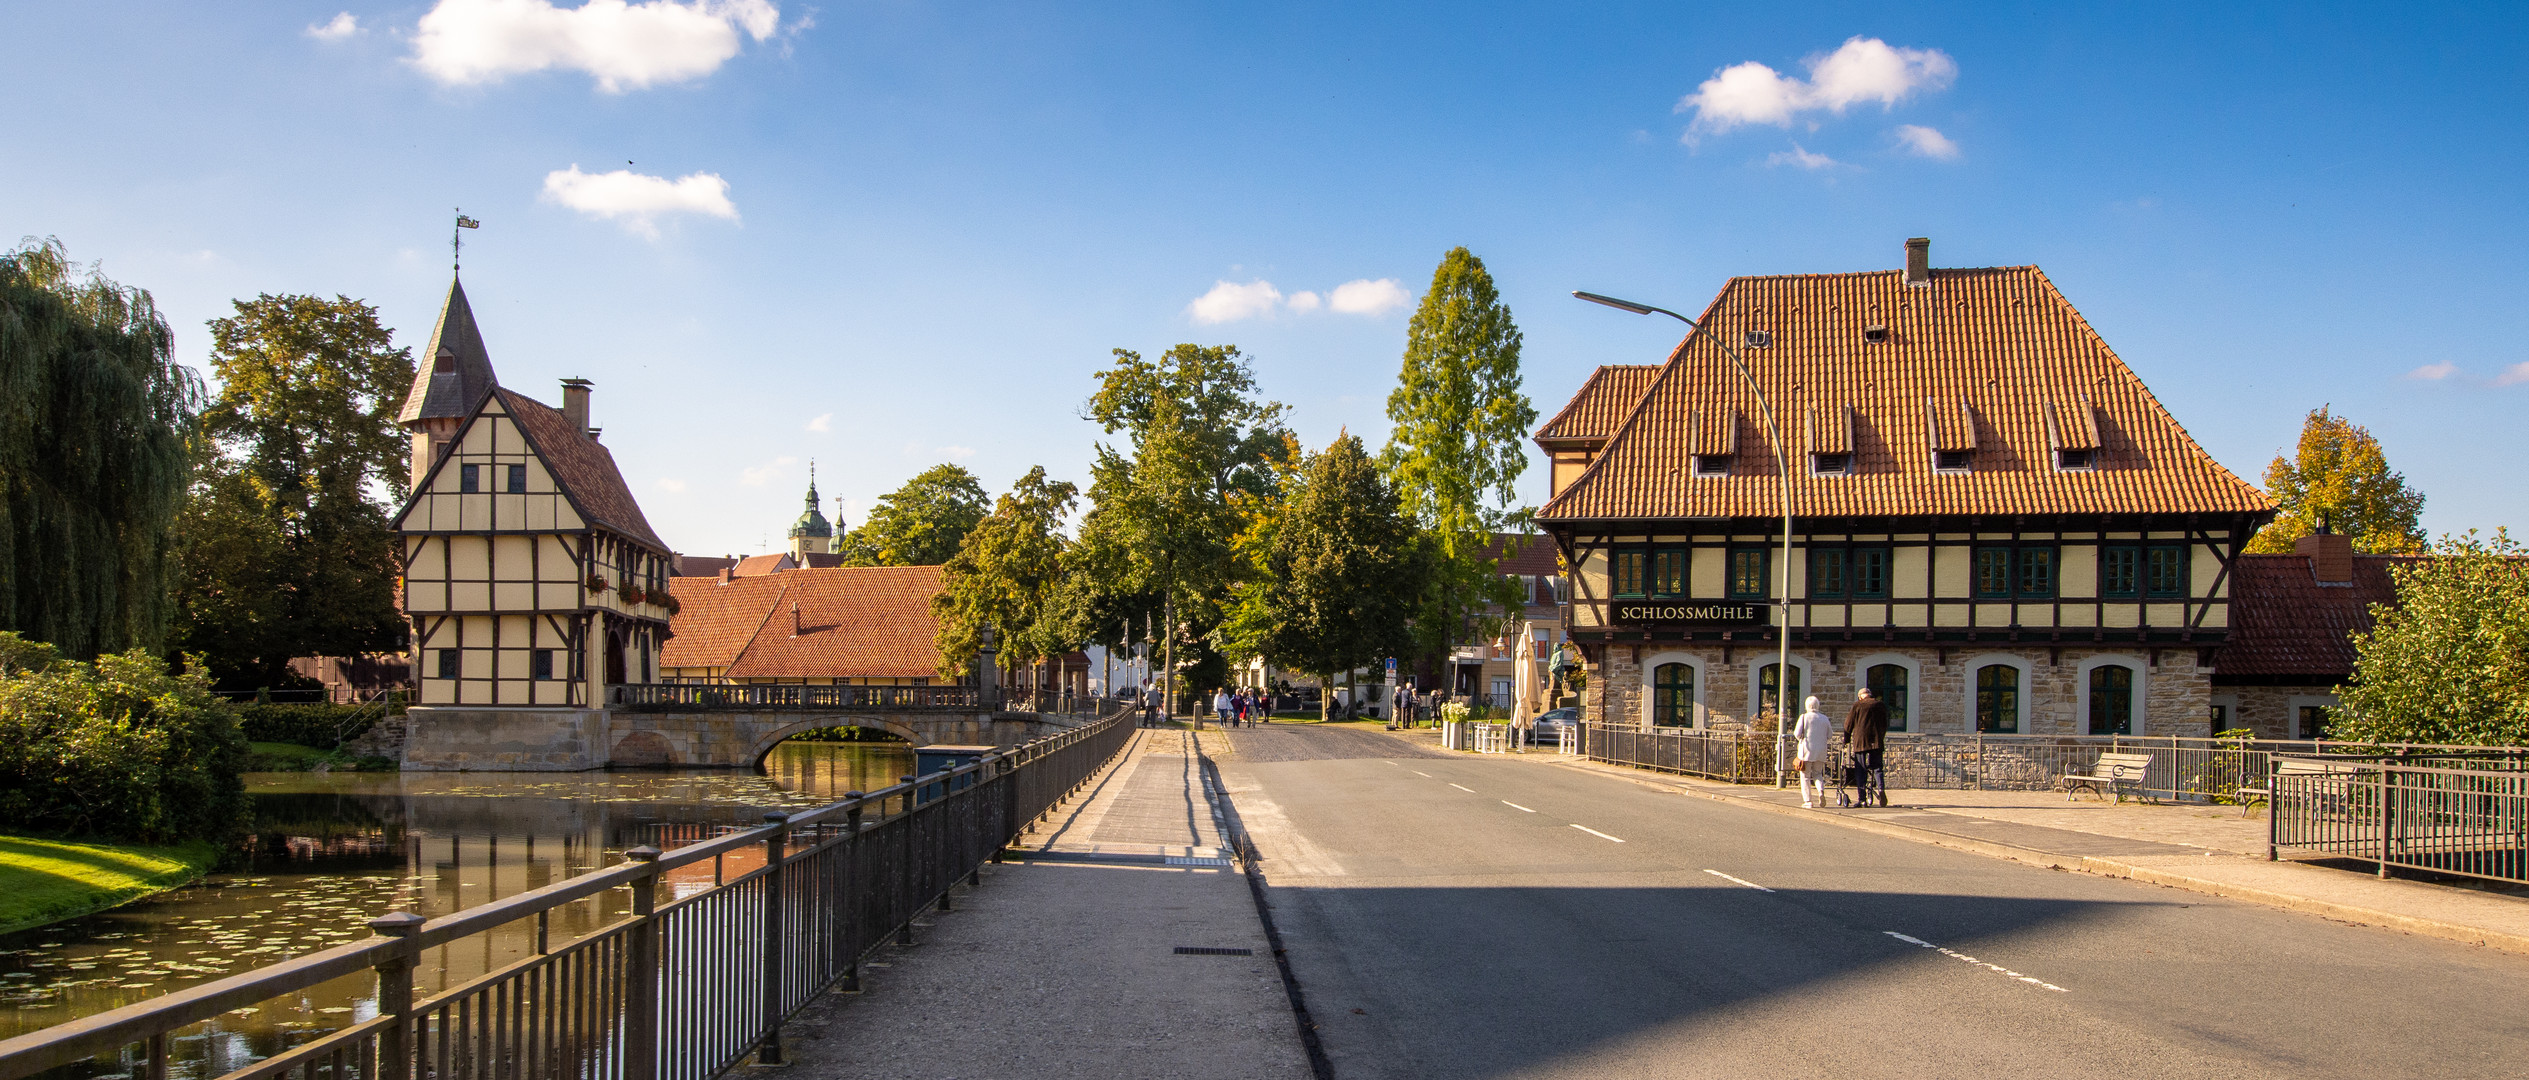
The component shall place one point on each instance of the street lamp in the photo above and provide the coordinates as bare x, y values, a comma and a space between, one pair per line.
1782, 466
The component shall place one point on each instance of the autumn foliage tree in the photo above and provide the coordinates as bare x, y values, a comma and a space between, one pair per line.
2338, 475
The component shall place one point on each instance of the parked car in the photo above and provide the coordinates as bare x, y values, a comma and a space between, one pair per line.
1555, 725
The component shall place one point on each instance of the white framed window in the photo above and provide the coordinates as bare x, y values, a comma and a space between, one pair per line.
1898, 680
2108, 695
1997, 694
1760, 684
1673, 690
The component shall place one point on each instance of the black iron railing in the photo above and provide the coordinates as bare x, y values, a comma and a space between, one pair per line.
2471, 821
669, 696
687, 985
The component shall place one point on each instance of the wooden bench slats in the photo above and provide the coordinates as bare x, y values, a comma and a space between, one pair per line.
2118, 771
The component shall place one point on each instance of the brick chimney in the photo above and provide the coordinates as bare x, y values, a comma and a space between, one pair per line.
575, 402
2330, 556
1919, 261
794, 618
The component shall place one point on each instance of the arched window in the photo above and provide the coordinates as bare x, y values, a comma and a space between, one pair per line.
1998, 699
1673, 695
1768, 698
1887, 682
2111, 700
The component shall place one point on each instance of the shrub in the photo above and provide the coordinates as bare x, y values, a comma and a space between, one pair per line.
320, 724
2449, 662
119, 748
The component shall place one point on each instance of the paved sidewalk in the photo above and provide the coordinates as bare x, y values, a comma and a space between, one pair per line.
1063, 963
2204, 849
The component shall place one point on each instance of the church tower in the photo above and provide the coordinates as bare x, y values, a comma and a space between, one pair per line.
811, 534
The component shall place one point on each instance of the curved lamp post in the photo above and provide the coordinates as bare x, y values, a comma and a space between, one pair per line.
1782, 466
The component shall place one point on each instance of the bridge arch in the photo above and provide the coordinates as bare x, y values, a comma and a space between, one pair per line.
773, 737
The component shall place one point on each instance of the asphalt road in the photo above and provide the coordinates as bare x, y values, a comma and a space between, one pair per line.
1452, 916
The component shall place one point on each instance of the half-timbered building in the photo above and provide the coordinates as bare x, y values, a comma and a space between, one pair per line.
530, 575
1995, 524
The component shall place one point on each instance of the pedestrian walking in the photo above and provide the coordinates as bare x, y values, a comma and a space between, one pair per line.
1150, 705
1865, 745
1221, 706
1812, 736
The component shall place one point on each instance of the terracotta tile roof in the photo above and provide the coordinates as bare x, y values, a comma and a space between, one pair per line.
1993, 360
1531, 555
1600, 404
760, 565
703, 565
582, 466
854, 622
2283, 622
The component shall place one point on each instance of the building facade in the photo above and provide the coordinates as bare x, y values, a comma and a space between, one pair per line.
2291, 642
1995, 524
530, 575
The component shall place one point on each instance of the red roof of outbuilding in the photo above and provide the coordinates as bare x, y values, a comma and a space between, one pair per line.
2284, 622
852, 622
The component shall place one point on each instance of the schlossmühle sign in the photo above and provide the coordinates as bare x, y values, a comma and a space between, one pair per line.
1674, 613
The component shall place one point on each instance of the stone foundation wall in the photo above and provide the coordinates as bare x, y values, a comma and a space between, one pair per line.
2273, 711
443, 738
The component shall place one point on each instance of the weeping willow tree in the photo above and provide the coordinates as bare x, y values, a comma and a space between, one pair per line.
96, 446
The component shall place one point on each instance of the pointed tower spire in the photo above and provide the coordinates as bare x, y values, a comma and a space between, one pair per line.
811, 534
455, 371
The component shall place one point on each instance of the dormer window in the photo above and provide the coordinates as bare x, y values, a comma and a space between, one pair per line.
1758, 339
1952, 460
1831, 464
1876, 335
1712, 464
2075, 460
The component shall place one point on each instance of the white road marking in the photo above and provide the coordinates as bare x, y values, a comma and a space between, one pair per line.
1956, 955
1738, 881
1464, 788
1420, 773
1596, 833
1516, 806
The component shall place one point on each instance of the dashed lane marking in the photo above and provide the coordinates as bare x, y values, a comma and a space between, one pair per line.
1420, 773
1598, 834
1464, 788
1516, 806
1738, 881
1956, 955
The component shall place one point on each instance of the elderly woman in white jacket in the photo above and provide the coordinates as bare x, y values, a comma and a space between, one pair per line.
1810, 737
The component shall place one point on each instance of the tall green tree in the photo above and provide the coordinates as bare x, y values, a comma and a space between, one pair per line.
921, 523
1339, 574
2449, 662
97, 422
1197, 436
285, 546
2339, 475
1006, 577
1459, 443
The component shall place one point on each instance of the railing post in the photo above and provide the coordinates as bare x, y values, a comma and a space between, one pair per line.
641, 992
2388, 813
907, 890
395, 994
769, 1051
856, 866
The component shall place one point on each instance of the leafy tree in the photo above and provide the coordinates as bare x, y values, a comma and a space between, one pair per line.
2338, 475
1005, 576
921, 523
119, 748
1460, 442
1340, 573
2449, 662
285, 546
1197, 437
96, 427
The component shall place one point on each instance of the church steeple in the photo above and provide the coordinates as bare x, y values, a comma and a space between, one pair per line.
811, 534
451, 380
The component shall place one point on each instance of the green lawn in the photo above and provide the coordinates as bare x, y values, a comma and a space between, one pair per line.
44, 881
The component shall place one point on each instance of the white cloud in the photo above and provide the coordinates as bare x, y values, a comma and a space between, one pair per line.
637, 200
626, 46
671, 484
1365, 297
1229, 302
957, 453
2434, 372
1927, 142
340, 27
1304, 301
763, 474
2513, 375
1799, 155
1861, 70
822, 424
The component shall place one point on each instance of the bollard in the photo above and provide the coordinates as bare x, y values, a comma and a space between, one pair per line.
641, 992
777, 827
395, 995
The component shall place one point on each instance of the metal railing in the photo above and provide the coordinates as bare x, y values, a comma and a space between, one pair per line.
792, 696
2471, 821
678, 990
2183, 769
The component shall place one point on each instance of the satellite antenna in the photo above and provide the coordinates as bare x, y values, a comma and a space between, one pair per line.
456, 240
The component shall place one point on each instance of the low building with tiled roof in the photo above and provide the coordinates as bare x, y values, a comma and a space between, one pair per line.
862, 625
2293, 618
1995, 523
530, 575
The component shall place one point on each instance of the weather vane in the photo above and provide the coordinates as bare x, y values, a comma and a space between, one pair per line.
456, 240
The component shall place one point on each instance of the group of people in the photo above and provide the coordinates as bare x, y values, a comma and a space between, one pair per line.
1865, 751
1243, 706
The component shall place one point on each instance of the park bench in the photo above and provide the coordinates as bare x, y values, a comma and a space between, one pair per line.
2284, 766
2114, 773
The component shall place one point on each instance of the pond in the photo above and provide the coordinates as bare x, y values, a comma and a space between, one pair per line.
329, 852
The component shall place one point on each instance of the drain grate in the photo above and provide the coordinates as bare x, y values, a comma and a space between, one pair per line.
1208, 950
1183, 860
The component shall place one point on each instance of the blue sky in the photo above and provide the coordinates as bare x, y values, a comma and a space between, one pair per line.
884, 235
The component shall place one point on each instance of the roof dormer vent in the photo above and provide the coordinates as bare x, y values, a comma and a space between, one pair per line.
1875, 334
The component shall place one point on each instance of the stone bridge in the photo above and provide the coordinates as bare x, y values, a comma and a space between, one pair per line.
729, 727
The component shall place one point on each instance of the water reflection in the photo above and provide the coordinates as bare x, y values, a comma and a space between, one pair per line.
330, 852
